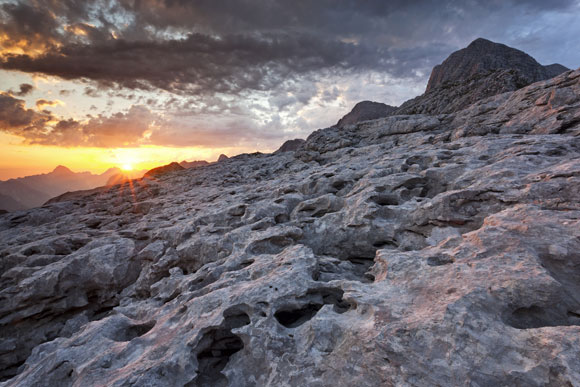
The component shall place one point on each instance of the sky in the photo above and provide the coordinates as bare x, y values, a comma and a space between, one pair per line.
94, 84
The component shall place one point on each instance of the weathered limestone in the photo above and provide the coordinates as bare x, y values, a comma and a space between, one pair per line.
410, 250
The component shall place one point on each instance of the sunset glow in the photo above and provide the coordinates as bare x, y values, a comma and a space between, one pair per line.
17, 159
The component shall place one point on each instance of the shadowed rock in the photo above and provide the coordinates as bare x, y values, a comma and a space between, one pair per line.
483, 56
291, 145
365, 110
160, 171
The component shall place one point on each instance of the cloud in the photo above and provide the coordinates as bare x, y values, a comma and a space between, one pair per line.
118, 130
43, 128
199, 64
206, 47
42, 103
25, 89
207, 130
16, 119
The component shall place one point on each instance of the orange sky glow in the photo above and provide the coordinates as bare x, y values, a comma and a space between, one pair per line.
17, 159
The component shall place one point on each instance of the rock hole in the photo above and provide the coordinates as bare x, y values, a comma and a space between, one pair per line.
339, 184
246, 263
295, 317
281, 218
292, 317
217, 346
537, 317
386, 244
361, 267
440, 260
132, 331
385, 199
573, 314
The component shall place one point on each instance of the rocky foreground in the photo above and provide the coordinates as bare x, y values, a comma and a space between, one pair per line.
414, 250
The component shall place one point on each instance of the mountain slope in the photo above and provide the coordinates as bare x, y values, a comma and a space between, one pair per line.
193, 164
483, 56
8, 203
33, 191
482, 69
365, 110
408, 250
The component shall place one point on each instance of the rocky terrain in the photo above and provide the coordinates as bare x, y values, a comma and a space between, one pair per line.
412, 250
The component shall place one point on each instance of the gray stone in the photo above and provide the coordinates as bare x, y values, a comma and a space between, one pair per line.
409, 250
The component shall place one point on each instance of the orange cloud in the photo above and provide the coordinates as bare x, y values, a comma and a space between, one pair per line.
42, 103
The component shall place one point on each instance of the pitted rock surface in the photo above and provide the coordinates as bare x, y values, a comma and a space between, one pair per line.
411, 250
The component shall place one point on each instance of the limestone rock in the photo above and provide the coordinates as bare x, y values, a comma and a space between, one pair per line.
482, 56
481, 70
364, 111
291, 145
408, 250
160, 171
193, 164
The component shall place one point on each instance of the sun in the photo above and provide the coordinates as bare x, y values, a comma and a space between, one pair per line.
127, 167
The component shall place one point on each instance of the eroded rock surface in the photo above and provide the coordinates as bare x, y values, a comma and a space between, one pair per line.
410, 250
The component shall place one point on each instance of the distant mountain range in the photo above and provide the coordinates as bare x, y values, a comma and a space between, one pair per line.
33, 191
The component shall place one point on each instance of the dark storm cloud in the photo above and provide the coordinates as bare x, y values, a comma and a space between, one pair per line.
229, 46
16, 119
24, 90
199, 64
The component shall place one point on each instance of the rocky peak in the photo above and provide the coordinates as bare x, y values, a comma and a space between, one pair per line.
193, 164
483, 56
364, 111
62, 170
222, 158
165, 169
291, 145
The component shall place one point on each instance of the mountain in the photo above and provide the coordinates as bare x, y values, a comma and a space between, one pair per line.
555, 69
33, 191
8, 203
483, 56
291, 145
163, 170
365, 110
27, 194
222, 158
409, 250
482, 69
193, 164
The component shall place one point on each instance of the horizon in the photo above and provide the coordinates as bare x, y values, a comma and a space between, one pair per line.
92, 85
